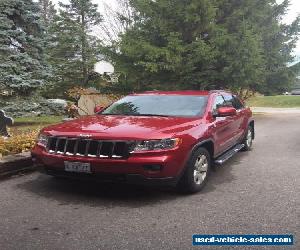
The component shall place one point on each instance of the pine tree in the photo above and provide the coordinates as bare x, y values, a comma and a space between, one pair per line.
279, 41
74, 50
275, 40
199, 44
48, 12
22, 66
167, 47
240, 62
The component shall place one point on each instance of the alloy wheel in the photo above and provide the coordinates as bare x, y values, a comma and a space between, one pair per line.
200, 169
249, 138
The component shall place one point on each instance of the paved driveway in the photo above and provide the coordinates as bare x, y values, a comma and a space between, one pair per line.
256, 192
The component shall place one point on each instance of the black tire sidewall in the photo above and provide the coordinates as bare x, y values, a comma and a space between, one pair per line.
187, 183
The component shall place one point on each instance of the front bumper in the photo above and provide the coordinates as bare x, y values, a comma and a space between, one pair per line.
120, 178
131, 170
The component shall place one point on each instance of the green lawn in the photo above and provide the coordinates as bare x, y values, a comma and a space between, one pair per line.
26, 124
279, 101
38, 120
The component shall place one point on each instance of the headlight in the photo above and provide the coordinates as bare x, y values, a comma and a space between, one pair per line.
156, 144
43, 140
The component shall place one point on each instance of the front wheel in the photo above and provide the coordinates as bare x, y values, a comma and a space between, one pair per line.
197, 171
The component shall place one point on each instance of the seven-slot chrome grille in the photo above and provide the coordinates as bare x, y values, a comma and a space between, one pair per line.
88, 147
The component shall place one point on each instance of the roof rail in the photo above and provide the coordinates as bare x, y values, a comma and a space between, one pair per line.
217, 90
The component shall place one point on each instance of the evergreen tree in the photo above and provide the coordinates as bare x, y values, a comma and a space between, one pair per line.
48, 12
166, 47
22, 66
279, 41
200, 44
74, 50
240, 63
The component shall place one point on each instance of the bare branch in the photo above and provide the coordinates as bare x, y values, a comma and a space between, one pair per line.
116, 21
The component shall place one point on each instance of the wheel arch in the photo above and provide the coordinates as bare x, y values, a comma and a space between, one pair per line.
208, 144
181, 179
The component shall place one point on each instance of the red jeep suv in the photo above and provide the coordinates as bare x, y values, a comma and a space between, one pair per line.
156, 138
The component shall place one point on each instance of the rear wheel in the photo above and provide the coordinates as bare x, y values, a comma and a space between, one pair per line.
248, 140
197, 171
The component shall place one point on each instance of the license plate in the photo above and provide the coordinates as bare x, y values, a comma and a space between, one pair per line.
78, 167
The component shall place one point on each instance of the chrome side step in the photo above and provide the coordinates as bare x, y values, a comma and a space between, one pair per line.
228, 154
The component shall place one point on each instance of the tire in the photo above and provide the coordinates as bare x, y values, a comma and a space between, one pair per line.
193, 179
248, 140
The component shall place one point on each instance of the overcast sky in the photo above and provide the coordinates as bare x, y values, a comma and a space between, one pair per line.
293, 11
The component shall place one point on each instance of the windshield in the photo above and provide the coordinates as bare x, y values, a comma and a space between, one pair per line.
158, 105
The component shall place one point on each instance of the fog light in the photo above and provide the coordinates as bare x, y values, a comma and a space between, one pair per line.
154, 167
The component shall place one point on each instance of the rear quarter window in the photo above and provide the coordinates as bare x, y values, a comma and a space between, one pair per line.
237, 104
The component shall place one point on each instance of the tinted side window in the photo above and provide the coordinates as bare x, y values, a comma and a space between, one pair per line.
237, 104
219, 102
229, 100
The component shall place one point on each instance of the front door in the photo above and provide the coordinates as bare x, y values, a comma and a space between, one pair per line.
238, 118
222, 127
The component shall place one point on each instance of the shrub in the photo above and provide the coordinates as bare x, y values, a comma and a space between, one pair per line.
18, 143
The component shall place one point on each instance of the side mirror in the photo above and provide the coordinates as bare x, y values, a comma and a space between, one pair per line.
98, 109
226, 111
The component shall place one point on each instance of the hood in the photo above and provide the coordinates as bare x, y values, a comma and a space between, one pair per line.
124, 127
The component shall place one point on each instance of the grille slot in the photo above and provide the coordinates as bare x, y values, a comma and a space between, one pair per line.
88, 147
82, 144
120, 148
93, 148
106, 149
52, 144
60, 148
70, 146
